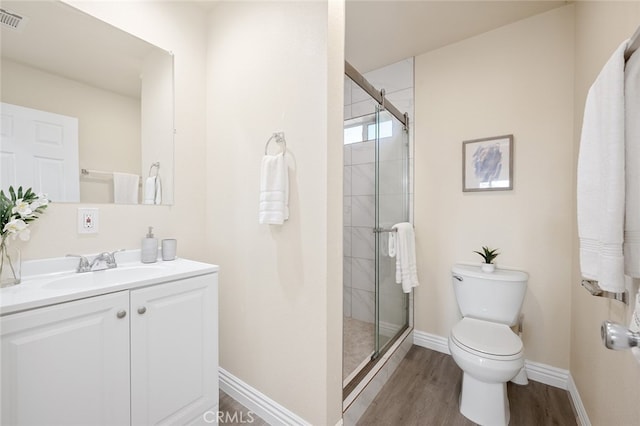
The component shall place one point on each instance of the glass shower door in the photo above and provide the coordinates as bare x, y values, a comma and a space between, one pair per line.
391, 207
376, 197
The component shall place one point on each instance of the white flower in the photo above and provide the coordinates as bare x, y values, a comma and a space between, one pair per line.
18, 228
39, 202
22, 208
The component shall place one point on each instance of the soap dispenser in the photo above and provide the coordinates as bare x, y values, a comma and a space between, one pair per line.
149, 251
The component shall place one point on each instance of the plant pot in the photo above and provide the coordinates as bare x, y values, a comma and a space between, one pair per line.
488, 267
9, 265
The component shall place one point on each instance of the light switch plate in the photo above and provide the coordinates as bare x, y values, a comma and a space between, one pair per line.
88, 221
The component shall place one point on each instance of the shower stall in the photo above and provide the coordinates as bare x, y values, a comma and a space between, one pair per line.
376, 196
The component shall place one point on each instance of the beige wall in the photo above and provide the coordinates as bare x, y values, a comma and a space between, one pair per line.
516, 80
272, 67
179, 28
608, 381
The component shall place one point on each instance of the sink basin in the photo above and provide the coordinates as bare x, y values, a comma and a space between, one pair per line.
105, 277
47, 282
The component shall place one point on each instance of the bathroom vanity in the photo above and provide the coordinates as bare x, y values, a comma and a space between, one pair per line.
137, 344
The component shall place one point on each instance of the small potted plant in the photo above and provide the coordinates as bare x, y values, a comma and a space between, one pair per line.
488, 255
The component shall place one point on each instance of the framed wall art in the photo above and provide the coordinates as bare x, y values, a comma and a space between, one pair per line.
487, 164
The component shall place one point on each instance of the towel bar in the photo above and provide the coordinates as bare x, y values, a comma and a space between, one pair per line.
595, 290
381, 230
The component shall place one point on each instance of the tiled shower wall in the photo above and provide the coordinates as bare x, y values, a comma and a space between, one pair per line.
359, 197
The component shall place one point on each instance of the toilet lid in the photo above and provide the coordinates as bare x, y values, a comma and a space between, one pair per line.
487, 337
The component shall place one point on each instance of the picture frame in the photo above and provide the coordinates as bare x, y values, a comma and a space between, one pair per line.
487, 164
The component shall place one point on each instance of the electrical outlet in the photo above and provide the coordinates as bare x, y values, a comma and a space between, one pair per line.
87, 221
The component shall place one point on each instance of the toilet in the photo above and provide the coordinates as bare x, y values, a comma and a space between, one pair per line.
482, 343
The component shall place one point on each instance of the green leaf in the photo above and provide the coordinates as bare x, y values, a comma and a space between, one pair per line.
488, 254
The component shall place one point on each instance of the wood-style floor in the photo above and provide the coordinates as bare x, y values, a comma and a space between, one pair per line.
424, 392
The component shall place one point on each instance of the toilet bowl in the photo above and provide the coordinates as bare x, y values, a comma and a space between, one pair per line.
489, 355
482, 343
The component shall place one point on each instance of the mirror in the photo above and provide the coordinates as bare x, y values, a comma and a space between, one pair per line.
86, 108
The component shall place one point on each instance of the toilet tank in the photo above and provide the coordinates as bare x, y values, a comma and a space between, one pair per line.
496, 296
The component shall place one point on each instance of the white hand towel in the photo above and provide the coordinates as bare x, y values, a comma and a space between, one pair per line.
158, 196
274, 190
153, 190
405, 247
125, 188
632, 167
634, 325
601, 181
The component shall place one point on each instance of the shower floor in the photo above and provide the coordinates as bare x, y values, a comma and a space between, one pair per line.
357, 344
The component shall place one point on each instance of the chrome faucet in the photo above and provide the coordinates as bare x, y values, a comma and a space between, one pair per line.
83, 265
104, 260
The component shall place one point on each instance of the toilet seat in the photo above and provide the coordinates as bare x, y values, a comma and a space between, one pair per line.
487, 339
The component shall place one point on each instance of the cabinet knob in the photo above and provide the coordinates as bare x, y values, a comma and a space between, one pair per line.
142, 310
121, 314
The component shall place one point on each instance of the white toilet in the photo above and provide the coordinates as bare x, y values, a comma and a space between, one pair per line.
482, 343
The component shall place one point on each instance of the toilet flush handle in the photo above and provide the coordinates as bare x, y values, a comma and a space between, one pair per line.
458, 277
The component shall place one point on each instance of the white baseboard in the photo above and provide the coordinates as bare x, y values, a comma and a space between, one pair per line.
269, 410
542, 373
583, 418
431, 341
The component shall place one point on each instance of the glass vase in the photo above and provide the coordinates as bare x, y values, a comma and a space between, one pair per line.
9, 265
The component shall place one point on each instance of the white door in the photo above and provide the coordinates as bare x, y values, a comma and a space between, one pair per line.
67, 364
39, 149
174, 356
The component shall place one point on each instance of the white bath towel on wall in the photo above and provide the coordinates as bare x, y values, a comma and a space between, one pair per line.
403, 244
601, 178
153, 190
274, 190
632, 167
125, 188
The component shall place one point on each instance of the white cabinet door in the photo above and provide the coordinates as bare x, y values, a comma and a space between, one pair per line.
174, 356
67, 364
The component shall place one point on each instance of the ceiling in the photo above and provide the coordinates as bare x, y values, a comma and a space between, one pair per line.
380, 32
64, 41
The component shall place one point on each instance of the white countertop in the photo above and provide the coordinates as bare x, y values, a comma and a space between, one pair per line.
51, 281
